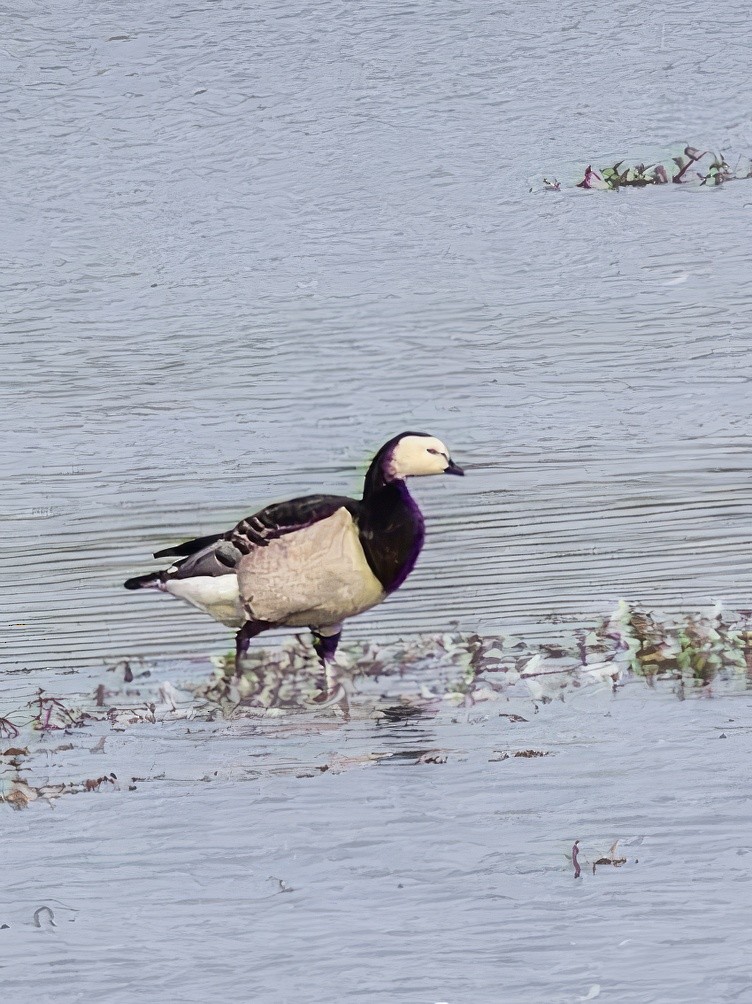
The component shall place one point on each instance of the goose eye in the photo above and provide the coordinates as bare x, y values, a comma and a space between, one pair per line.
434, 452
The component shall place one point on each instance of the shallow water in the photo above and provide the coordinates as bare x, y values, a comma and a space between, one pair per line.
308, 859
245, 245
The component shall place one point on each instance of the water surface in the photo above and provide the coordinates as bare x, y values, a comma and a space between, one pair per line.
245, 244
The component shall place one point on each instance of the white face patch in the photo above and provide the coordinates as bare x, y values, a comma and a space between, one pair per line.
414, 456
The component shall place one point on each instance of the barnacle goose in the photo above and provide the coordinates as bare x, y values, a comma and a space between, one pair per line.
312, 561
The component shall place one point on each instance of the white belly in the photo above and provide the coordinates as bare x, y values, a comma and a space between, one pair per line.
314, 577
216, 595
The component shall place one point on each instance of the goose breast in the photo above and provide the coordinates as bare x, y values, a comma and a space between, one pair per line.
314, 577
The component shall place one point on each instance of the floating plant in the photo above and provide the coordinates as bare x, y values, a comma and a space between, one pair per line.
693, 651
692, 167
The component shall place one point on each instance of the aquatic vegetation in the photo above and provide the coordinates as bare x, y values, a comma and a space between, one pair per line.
693, 651
692, 166
285, 679
411, 679
51, 713
419, 675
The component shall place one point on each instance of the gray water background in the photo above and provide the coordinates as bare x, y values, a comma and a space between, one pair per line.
243, 245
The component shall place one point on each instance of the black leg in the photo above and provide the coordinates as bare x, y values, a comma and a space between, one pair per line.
242, 639
332, 690
325, 646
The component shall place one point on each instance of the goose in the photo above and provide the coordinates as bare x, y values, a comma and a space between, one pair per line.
313, 561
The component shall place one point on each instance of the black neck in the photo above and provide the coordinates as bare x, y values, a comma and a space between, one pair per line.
375, 480
391, 530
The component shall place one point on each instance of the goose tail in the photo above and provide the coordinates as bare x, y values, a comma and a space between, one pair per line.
143, 581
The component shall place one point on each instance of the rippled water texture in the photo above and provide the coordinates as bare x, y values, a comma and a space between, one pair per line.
243, 244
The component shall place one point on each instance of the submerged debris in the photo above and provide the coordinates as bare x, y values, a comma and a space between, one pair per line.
339, 763
19, 794
606, 859
282, 886
610, 858
47, 913
8, 730
432, 756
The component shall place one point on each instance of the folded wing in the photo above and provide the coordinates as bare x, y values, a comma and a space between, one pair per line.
219, 554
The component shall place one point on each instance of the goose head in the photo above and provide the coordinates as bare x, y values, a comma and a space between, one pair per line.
411, 454
415, 454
